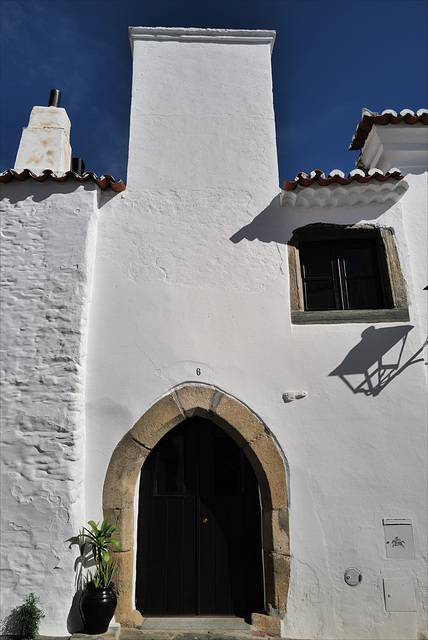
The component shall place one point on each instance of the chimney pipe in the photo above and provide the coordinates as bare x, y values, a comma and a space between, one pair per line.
54, 98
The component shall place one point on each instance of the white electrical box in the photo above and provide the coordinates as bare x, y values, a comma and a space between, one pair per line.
399, 538
399, 594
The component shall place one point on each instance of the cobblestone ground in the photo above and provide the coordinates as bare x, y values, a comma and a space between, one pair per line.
118, 633
140, 634
162, 635
194, 635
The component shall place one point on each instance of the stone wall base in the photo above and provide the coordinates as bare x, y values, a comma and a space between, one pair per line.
130, 619
266, 624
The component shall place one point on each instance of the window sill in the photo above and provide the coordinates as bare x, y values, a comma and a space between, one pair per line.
400, 314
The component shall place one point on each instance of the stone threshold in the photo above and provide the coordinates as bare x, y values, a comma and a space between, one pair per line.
188, 623
112, 633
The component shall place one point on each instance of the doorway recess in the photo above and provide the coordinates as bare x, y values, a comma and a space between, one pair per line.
253, 438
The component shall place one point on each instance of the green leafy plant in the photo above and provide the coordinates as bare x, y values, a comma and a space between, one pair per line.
99, 539
28, 617
104, 575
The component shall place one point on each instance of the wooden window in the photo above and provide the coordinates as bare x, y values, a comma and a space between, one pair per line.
340, 275
345, 274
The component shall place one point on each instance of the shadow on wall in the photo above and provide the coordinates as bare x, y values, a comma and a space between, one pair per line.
82, 562
268, 226
34, 191
23, 621
9, 626
376, 360
74, 619
276, 223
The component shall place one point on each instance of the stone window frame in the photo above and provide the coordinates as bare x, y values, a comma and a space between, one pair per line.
389, 263
252, 435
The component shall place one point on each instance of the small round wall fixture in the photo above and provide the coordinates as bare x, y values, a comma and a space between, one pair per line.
353, 576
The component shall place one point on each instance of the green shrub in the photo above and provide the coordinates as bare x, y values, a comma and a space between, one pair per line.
28, 617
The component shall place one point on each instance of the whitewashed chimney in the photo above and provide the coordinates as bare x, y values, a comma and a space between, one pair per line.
45, 143
202, 110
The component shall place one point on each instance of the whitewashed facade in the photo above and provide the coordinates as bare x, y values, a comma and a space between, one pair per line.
113, 300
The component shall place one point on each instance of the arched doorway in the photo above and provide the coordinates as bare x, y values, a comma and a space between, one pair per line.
199, 545
252, 436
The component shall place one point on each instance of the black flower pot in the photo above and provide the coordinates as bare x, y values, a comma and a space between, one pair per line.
97, 607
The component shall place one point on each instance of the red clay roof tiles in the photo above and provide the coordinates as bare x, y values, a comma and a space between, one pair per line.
386, 117
105, 182
338, 177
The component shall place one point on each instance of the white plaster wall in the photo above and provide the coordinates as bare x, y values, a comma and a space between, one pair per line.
173, 293
414, 207
192, 273
355, 460
366, 460
48, 248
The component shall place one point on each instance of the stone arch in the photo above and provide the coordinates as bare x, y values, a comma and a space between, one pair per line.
253, 437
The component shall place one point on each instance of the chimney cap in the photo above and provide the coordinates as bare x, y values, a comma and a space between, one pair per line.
54, 98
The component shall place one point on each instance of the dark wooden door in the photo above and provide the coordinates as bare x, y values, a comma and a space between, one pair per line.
199, 530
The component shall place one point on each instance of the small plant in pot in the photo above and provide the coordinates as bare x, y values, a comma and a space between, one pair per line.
98, 602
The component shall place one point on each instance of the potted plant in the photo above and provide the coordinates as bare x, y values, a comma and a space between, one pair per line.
98, 601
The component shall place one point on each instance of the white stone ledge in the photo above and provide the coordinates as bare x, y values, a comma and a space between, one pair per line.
351, 316
228, 36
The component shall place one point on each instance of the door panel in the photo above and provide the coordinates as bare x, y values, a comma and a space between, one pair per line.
199, 530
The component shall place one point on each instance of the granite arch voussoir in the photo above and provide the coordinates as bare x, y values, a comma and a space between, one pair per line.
185, 401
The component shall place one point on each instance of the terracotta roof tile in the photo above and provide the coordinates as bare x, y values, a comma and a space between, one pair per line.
386, 117
338, 177
105, 182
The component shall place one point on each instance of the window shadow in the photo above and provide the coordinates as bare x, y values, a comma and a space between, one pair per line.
376, 360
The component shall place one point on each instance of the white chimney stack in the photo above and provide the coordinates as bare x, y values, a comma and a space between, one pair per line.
45, 143
202, 110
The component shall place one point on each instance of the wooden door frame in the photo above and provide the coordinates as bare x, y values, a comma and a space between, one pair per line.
252, 435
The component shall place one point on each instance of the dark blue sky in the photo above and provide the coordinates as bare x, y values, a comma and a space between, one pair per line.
331, 58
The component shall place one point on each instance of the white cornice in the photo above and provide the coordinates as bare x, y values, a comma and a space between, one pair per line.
191, 34
401, 145
336, 195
